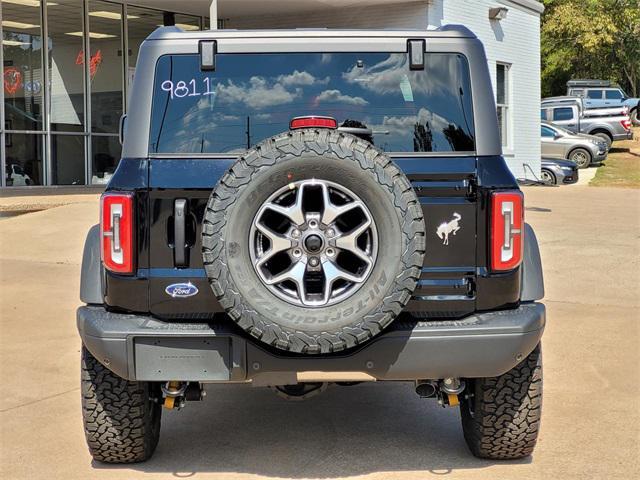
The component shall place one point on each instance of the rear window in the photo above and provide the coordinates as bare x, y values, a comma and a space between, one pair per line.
250, 97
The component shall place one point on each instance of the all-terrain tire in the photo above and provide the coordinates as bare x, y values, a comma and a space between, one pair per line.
634, 116
121, 422
502, 418
330, 156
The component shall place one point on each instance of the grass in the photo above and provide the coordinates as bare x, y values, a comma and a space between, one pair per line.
622, 167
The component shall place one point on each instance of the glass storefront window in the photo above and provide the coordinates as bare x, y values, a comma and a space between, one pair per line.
23, 165
22, 70
187, 22
141, 22
67, 159
83, 144
105, 151
106, 65
66, 65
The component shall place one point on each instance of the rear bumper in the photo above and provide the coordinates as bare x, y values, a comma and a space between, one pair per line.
146, 349
627, 135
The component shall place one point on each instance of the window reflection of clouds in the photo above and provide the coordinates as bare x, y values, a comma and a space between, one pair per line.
267, 90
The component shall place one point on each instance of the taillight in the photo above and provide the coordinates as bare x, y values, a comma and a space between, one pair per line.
313, 122
626, 124
507, 225
116, 232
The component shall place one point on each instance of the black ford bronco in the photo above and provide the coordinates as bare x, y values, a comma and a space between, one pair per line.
297, 209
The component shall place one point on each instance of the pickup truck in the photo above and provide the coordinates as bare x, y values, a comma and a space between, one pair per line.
296, 209
602, 94
610, 124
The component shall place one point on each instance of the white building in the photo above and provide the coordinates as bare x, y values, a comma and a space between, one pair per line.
511, 39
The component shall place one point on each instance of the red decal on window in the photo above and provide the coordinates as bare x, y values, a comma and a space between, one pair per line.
94, 62
12, 80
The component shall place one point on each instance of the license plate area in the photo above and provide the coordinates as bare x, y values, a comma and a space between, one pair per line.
184, 358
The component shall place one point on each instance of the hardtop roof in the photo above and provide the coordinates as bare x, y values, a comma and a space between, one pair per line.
176, 33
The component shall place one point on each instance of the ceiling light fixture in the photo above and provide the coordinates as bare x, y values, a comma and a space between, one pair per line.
183, 26
110, 15
91, 34
12, 24
15, 43
28, 3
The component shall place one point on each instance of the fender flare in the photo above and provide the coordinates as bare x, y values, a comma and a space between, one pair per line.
91, 291
532, 278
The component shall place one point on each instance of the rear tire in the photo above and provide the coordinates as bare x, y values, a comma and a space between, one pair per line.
121, 421
581, 157
501, 419
633, 115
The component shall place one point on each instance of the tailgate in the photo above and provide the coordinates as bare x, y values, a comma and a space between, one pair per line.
454, 281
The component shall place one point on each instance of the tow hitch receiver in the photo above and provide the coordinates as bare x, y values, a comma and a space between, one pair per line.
176, 394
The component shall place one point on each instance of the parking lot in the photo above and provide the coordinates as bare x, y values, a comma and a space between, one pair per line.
590, 239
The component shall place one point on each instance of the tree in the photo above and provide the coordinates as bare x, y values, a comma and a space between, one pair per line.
422, 138
590, 39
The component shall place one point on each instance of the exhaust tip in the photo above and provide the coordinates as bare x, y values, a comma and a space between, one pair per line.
426, 389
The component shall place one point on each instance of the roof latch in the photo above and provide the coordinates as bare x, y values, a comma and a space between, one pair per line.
416, 49
208, 50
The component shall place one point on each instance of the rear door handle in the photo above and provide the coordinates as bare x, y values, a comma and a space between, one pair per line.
179, 232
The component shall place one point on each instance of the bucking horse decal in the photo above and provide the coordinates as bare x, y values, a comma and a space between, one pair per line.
449, 228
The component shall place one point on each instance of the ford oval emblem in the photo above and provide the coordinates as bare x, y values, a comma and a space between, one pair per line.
181, 290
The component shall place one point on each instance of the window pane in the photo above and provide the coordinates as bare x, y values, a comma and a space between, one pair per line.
502, 123
24, 159
106, 154
613, 94
547, 132
66, 64
67, 159
105, 66
22, 50
254, 96
594, 94
562, 114
501, 84
187, 22
141, 22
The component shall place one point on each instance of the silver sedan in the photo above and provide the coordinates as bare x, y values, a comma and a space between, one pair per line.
582, 149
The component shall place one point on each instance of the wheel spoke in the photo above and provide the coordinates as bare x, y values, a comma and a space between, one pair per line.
333, 272
349, 242
332, 211
295, 274
294, 212
279, 243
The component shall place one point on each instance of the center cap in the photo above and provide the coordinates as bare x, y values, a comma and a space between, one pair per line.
313, 243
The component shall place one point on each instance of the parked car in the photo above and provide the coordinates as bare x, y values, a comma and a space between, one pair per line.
556, 171
570, 114
583, 150
603, 93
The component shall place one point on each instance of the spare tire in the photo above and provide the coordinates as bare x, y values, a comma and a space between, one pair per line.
313, 241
